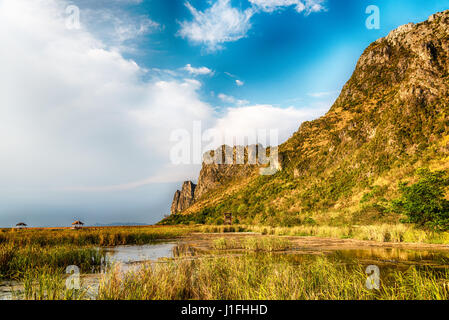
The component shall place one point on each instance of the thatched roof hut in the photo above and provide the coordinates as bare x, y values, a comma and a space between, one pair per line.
77, 224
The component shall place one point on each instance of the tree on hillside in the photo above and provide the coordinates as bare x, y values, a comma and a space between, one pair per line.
424, 202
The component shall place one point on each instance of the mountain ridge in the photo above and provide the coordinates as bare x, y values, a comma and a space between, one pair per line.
391, 117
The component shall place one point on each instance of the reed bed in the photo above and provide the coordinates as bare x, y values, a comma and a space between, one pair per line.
266, 244
35, 252
267, 277
399, 233
44, 284
38, 258
93, 236
16, 263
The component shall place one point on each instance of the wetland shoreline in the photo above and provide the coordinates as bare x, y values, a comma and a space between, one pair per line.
170, 260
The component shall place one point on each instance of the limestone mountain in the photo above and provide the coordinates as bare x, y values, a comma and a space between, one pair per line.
183, 198
391, 118
224, 167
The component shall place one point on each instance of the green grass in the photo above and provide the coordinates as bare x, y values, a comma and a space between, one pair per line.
265, 244
92, 236
16, 262
267, 277
43, 284
395, 233
36, 251
256, 274
221, 229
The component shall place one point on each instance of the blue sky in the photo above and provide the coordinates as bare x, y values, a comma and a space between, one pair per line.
283, 56
88, 110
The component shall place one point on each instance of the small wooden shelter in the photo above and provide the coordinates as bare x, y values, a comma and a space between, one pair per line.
77, 224
21, 225
228, 219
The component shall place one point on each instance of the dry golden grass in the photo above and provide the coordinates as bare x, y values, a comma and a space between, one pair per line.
398, 233
267, 277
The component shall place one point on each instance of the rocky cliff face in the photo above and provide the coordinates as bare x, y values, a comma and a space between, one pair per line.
391, 117
220, 166
226, 164
390, 107
183, 199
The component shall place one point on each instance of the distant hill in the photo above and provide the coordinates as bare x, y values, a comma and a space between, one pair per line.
391, 118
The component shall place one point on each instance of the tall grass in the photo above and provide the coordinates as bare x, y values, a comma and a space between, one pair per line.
93, 236
39, 257
44, 284
266, 277
419, 285
381, 233
15, 262
49, 251
222, 229
266, 244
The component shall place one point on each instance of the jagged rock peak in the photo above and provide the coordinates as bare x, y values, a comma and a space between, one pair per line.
236, 155
391, 117
183, 199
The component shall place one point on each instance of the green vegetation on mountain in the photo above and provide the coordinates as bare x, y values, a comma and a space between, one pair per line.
391, 118
423, 202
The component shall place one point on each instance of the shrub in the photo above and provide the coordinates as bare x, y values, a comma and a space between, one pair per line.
424, 202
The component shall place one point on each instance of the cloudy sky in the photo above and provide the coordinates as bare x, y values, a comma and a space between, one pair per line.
89, 106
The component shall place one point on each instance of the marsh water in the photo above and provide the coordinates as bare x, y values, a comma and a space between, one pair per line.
132, 257
129, 256
388, 257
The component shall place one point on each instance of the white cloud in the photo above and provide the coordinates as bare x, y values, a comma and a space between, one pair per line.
216, 25
74, 113
230, 75
118, 29
76, 116
323, 94
129, 1
232, 100
244, 121
125, 31
198, 71
239, 83
308, 6
223, 23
